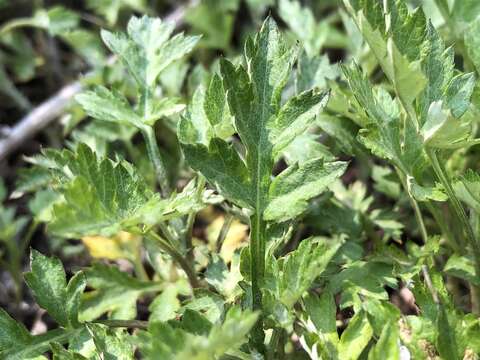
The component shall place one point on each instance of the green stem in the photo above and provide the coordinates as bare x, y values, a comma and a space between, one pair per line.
419, 218
167, 233
257, 260
274, 343
136, 324
176, 256
188, 234
157, 160
139, 269
430, 287
227, 222
28, 236
424, 234
442, 5
459, 210
415, 206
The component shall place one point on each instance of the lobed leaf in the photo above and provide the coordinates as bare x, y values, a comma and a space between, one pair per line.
48, 283
147, 48
291, 189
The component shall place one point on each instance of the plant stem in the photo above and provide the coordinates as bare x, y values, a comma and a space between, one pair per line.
139, 269
137, 324
462, 216
167, 233
415, 206
176, 256
457, 206
257, 263
28, 236
188, 234
274, 343
227, 222
428, 282
157, 160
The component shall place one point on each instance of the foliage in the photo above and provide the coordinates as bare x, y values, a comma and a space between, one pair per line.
358, 181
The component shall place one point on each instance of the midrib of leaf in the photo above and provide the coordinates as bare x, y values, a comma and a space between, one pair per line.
262, 155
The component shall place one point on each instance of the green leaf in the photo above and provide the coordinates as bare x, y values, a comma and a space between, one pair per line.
314, 72
165, 306
216, 107
304, 148
264, 127
290, 191
207, 115
463, 13
110, 9
221, 165
355, 337
323, 312
442, 130
60, 353
224, 280
383, 135
380, 313
423, 193
301, 21
87, 44
209, 304
3, 190
112, 344
295, 117
147, 48
214, 20
461, 267
230, 334
113, 292
387, 345
394, 35
194, 126
56, 20
41, 205
107, 105
467, 189
446, 340
301, 267
167, 342
103, 104
438, 66
195, 323
365, 278
12, 333
472, 42
446, 97
38, 345
103, 198
162, 341
48, 283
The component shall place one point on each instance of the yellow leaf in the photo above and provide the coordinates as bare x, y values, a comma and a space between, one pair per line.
236, 236
124, 245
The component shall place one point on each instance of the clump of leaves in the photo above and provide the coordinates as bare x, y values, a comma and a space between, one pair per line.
265, 128
321, 275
